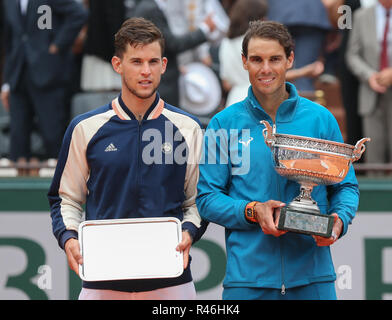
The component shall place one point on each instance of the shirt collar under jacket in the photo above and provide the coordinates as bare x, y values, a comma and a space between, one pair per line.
131, 115
23, 6
286, 110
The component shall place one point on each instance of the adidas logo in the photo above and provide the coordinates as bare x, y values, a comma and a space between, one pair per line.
110, 147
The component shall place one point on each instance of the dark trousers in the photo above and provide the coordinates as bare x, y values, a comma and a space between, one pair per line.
46, 106
349, 87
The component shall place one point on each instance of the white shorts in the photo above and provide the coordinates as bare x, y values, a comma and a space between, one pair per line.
184, 291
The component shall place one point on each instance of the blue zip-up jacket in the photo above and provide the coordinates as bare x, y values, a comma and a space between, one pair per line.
123, 167
241, 170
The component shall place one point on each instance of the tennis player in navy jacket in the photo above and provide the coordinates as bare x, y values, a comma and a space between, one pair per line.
135, 157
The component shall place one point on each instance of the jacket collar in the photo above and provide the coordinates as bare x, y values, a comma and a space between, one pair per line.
286, 110
124, 113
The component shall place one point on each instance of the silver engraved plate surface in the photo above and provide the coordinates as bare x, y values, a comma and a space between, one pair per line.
137, 248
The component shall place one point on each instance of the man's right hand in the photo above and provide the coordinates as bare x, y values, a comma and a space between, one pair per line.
5, 100
268, 216
209, 21
72, 249
384, 77
375, 85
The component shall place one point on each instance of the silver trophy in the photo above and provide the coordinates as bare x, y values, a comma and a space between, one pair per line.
310, 162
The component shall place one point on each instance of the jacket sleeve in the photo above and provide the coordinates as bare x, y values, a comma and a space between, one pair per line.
74, 15
213, 201
354, 54
68, 190
173, 43
6, 44
344, 196
192, 220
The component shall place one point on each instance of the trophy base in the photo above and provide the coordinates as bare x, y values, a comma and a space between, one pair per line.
309, 222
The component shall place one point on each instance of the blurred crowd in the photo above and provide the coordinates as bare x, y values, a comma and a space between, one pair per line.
56, 62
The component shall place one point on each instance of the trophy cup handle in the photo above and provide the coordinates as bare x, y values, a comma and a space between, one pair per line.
268, 133
359, 149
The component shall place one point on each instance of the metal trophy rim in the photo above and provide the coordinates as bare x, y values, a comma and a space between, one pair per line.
272, 139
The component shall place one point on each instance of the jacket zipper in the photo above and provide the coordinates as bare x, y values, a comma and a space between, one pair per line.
139, 143
283, 287
139, 153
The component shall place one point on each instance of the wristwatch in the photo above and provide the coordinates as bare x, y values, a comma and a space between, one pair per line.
250, 212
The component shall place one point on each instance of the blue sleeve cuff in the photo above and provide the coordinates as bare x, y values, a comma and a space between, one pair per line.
191, 228
195, 232
242, 219
345, 224
66, 235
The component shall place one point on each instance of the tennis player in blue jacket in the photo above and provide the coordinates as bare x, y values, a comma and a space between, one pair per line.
262, 261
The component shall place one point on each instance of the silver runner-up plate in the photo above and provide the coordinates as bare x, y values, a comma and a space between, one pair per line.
119, 249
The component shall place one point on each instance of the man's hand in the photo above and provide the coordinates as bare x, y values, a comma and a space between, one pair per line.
268, 216
314, 69
5, 100
53, 49
209, 21
336, 231
384, 77
374, 84
74, 257
184, 246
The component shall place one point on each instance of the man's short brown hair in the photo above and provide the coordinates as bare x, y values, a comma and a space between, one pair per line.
137, 32
268, 30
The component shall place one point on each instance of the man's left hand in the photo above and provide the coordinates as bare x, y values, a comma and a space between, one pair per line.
53, 49
185, 246
336, 231
384, 77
